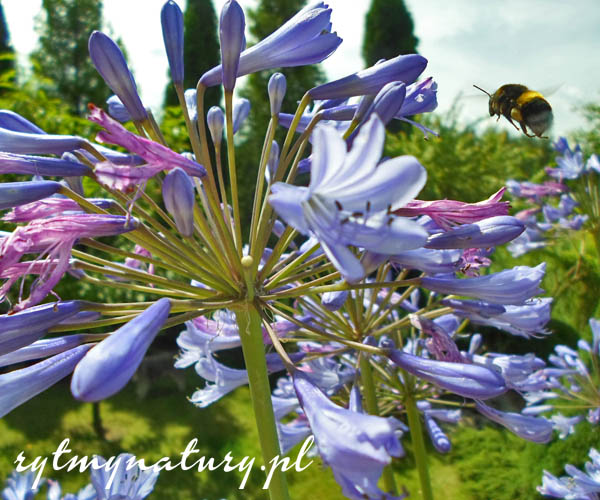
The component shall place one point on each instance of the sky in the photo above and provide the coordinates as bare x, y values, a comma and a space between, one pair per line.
544, 44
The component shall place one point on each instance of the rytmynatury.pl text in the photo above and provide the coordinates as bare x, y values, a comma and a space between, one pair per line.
61, 461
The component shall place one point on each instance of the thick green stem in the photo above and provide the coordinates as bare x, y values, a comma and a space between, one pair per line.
249, 323
416, 434
366, 377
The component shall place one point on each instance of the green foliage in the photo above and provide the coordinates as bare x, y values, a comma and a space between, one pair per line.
200, 50
388, 31
466, 166
589, 138
493, 463
62, 61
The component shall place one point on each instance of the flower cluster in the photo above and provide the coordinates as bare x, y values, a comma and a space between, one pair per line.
357, 289
577, 485
575, 184
570, 383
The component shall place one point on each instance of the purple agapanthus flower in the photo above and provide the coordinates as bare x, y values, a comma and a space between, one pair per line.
356, 446
127, 482
22, 486
466, 379
536, 429
403, 68
304, 39
347, 200
512, 286
21, 385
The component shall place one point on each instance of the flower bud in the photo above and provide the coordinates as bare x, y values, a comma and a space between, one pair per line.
13, 194
241, 109
216, 121
171, 20
107, 367
276, 87
117, 110
192, 103
231, 32
178, 195
110, 63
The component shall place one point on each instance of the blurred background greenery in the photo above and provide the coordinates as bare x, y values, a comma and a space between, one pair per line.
151, 417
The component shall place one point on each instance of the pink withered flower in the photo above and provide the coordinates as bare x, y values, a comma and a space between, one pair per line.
156, 156
53, 238
446, 213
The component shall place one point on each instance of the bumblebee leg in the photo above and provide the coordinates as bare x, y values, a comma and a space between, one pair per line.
524, 128
512, 123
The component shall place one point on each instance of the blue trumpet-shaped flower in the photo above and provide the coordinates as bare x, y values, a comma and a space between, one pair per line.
13, 194
22, 328
404, 69
19, 386
538, 430
487, 233
356, 446
36, 143
127, 482
511, 286
304, 39
464, 379
348, 199
39, 165
109, 366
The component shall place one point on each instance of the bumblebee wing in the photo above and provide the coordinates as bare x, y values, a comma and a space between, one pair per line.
553, 89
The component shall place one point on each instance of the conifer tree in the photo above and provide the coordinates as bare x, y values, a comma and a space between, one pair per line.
388, 31
201, 50
62, 60
7, 61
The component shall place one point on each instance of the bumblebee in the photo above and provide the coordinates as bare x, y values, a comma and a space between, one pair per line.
528, 107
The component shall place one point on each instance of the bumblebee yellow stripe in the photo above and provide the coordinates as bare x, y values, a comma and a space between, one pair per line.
527, 96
